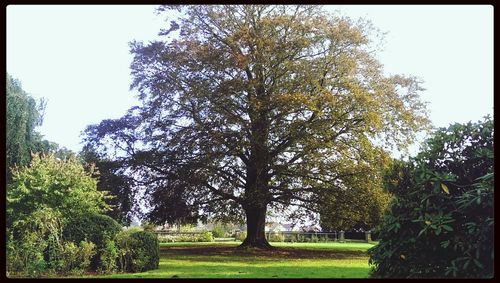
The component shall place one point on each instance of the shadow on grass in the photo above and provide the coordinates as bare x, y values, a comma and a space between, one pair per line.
226, 261
275, 254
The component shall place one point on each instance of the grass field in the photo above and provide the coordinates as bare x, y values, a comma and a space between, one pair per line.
289, 260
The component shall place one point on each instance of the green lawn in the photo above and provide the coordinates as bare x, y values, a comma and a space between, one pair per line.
289, 260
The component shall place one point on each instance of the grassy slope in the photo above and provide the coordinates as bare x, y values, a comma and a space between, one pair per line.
348, 260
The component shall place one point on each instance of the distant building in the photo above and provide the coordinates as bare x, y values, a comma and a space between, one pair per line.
291, 227
311, 228
281, 227
274, 227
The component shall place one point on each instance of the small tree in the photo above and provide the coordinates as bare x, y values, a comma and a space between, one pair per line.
440, 223
62, 185
41, 199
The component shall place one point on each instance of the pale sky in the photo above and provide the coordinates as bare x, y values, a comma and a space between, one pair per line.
77, 57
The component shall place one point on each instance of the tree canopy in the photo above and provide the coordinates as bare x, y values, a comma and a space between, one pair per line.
23, 115
246, 108
362, 206
109, 179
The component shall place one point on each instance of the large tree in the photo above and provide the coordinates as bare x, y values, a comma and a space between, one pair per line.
23, 115
247, 108
110, 180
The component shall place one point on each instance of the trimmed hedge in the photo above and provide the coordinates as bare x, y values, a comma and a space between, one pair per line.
96, 228
147, 249
139, 251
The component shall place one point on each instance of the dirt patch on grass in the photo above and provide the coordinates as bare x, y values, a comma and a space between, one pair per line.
278, 252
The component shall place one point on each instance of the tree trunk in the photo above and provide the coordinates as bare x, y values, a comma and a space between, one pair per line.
256, 223
257, 195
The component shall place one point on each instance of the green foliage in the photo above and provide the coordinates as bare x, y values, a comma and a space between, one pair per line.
139, 251
28, 240
67, 257
186, 228
300, 238
276, 237
194, 237
220, 230
308, 238
22, 116
148, 249
41, 199
38, 248
150, 227
314, 239
99, 229
85, 253
206, 237
62, 185
126, 246
94, 227
361, 205
241, 236
108, 256
53, 253
440, 223
106, 172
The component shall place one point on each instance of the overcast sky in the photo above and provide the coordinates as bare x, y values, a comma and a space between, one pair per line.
77, 57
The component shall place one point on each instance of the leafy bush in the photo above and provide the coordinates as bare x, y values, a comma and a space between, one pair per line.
28, 241
440, 223
195, 237
186, 238
276, 237
291, 238
96, 228
138, 251
241, 236
218, 231
85, 253
314, 239
150, 227
148, 248
206, 237
68, 257
125, 244
108, 257
300, 238
167, 238
41, 199
61, 185
40, 250
54, 252
73, 259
